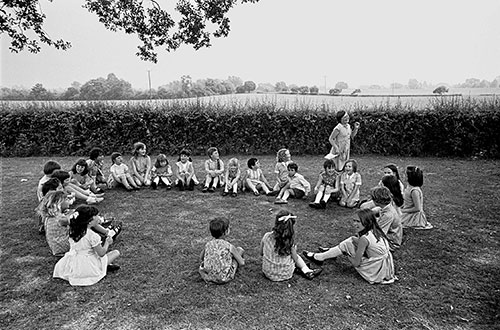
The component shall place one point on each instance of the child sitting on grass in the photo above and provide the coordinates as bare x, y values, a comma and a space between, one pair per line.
279, 252
119, 173
350, 182
161, 173
79, 175
214, 168
95, 164
283, 158
413, 205
48, 169
296, 187
184, 171
82, 194
88, 260
254, 179
140, 165
328, 184
219, 258
232, 177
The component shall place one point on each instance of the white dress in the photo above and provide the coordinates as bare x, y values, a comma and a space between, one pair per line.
81, 266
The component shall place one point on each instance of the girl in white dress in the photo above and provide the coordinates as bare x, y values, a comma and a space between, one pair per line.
184, 171
87, 261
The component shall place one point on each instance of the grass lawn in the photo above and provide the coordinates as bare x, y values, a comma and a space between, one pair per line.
449, 277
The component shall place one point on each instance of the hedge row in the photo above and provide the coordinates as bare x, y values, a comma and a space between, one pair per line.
455, 127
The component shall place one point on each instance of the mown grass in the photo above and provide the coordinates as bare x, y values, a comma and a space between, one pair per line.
448, 277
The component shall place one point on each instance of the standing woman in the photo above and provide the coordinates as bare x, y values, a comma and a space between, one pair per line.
340, 139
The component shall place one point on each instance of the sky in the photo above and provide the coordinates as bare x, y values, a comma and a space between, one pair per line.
318, 42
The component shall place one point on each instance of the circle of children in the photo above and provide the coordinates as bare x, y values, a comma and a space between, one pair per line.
83, 238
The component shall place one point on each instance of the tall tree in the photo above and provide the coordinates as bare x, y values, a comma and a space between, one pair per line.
198, 21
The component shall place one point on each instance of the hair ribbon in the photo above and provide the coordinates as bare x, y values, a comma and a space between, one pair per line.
286, 217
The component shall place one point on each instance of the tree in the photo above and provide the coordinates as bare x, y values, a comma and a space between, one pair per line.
356, 91
304, 90
440, 90
280, 86
335, 91
38, 92
314, 90
197, 22
341, 85
249, 86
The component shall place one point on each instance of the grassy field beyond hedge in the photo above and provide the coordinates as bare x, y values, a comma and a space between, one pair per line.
448, 276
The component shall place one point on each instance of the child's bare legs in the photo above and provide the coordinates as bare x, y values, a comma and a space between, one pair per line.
252, 186
112, 255
300, 264
123, 180
131, 181
80, 194
285, 193
165, 180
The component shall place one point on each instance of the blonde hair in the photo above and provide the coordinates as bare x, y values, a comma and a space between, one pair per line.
281, 155
233, 161
50, 205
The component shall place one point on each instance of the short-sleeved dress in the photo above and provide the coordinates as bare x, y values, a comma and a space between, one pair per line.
350, 181
141, 164
390, 223
377, 265
414, 219
81, 266
274, 266
281, 171
343, 140
57, 235
218, 264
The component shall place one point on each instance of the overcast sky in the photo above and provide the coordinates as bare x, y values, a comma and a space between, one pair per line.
360, 42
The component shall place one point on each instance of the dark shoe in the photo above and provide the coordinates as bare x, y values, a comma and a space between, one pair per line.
204, 190
211, 189
234, 194
313, 274
117, 228
322, 204
153, 185
225, 193
314, 205
113, 268
273, 193
310, 257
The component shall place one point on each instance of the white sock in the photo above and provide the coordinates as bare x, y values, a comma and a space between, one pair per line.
306, 269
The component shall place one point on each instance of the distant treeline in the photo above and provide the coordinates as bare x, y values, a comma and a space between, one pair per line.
113, 88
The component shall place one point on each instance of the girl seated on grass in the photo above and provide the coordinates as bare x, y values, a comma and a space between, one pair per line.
254, 179
232, 177
95, 164
88, 260
184, 171
368, 251
220, 259
279, 252
214, 169
79, 175
328, 184
413, 205
350, 182
140, 165
283, 158
71, 188
161, 173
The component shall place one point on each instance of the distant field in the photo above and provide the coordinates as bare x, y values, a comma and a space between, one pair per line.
416, 99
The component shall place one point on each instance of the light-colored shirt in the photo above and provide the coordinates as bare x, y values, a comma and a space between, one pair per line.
298, 182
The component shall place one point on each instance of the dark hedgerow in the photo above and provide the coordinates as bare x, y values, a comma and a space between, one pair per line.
445, 127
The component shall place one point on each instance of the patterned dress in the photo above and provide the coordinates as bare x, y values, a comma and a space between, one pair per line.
218, 264
343, 145
57, 234
377, 265
274, 266
81, 266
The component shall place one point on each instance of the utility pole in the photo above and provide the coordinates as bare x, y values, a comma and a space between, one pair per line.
149, 80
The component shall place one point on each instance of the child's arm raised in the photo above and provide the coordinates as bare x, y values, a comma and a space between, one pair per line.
236, 255
360, 251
